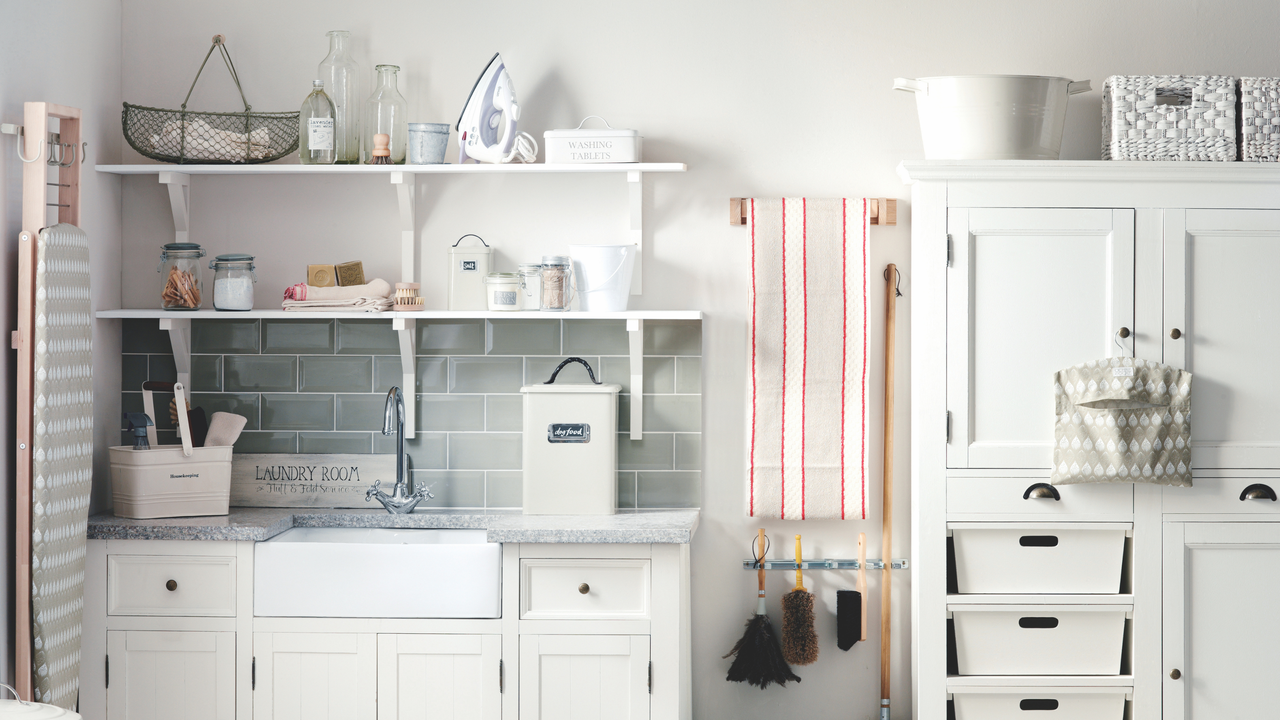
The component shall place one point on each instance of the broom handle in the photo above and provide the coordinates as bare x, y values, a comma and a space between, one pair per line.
760, 572
886, 586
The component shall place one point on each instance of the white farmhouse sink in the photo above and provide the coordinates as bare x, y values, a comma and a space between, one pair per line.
376, 572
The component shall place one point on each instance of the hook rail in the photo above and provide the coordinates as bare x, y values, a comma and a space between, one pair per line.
824, 564
884, 211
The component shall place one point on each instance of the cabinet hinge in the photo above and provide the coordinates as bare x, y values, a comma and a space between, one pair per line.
650, 677
948, 249
253, 673
502, 684
107, 672
948, 427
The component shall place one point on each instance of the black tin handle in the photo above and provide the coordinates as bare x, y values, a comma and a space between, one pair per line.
590, 373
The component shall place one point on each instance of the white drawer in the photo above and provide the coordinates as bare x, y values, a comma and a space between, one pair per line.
1060, 558
171, 585
1222, 495
1019, 703
1004, 496
1039, 639
597, 588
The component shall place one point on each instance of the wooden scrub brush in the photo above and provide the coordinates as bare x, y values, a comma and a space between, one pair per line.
407, 299
799, 640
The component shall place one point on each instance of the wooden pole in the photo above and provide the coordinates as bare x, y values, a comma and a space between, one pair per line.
886, 585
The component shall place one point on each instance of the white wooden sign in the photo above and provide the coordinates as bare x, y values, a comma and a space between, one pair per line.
335, 481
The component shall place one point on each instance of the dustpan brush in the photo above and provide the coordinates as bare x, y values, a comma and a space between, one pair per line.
799, 640
757, 658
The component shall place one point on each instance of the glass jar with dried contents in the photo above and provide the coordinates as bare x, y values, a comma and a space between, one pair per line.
233, 280
557, 283
180, 268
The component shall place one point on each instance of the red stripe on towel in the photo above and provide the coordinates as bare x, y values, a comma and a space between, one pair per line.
754, 409
866, 336
782, 455
804, 361
844, 336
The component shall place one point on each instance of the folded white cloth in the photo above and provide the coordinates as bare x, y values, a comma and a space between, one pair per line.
369, 304
204, 142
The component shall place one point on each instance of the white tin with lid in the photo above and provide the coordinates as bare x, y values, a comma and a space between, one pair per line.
592, 145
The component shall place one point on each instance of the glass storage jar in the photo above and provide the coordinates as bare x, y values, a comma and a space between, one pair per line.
530, 286
557, 283
233, 281
502, 291
180, 268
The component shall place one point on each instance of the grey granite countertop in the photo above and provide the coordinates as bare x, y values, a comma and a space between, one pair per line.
510, 526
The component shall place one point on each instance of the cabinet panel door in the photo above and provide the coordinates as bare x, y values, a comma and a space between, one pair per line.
1221, 630
1221, 294
584, 677
1029, 292
439, 677
166, 675
315, 676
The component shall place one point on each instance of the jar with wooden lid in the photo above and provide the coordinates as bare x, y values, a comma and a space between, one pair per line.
557, 283
182, 288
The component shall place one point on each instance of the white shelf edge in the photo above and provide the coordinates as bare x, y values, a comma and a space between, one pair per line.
445, 169
1060, 599
986, 681
911, 171
155, 314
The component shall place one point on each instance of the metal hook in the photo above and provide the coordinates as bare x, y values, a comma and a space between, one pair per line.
1121, 334
73, 155
57, 151
84, 152
39, 150
897, 286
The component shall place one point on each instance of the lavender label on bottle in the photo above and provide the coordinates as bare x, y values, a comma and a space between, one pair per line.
320, 133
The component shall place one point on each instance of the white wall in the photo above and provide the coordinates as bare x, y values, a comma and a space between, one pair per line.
81, 70
760, 99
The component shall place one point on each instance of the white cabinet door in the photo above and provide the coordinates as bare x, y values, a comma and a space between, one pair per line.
315, 676
439, 677
166, 675
1221, 629
584, 677
1221, 295
1029, 292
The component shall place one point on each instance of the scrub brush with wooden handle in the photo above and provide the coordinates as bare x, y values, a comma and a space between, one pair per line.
799, 640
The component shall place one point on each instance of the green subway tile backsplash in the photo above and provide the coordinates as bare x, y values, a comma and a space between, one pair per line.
310, 385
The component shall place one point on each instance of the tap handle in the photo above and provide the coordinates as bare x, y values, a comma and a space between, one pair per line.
373, 491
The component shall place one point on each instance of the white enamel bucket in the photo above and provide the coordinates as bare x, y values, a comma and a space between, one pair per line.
992, 117
602, 274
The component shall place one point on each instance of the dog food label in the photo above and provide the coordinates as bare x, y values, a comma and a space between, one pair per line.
568, 433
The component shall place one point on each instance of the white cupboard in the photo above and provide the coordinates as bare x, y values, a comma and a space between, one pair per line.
584, 677
440, 677
315, 676
165, 675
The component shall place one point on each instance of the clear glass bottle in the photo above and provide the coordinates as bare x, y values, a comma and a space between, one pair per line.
341, 76
385, 112
182, 287
316, 127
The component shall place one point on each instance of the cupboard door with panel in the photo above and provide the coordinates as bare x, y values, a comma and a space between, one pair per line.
584, 677
166, 675
439, 677
1221, 300
1029, 292
1221, 629
315, 676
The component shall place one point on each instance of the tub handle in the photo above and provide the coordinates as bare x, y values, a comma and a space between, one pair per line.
590, 373
1078, 87
1258, 491
909, 85
1041, 491
1038, 704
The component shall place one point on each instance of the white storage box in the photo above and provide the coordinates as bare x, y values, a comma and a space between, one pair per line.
1039, 639
1060, 558
571, 447
1019, 703
592, 145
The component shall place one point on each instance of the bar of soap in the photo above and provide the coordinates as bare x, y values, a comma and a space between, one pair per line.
322, 276
350, 273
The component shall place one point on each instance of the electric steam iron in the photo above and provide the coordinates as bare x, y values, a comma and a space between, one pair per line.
492, 103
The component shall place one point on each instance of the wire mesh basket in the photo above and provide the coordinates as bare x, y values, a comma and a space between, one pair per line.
182, 136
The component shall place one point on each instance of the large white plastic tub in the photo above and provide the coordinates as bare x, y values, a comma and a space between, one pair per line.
377, 572
1020, 703
1039, 639
1058, 558
992, 117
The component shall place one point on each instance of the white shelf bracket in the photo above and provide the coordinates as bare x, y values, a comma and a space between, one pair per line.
635, 181
180, 200
406, 329
404, 182
635, 334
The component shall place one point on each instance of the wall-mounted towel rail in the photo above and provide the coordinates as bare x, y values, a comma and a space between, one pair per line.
884, 211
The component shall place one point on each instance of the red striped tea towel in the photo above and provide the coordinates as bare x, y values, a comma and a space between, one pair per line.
808, 381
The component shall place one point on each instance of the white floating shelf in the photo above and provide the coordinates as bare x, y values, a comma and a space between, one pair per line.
444, 169
983, 681
207, 314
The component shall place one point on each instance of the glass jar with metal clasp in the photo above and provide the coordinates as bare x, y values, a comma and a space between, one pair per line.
233, 280
180, 267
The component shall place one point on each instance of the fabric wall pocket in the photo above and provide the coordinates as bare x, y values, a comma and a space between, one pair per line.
1122, 420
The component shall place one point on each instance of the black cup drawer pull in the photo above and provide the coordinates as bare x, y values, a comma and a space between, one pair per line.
1042, 623
1041, 491
1258, 491
1038, 704
1038, 541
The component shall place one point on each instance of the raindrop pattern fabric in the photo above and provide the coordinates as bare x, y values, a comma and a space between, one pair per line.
62, 459
1122, 420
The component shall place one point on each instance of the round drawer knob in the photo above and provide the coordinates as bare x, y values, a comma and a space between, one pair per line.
1175, 674
584, 588
1175, 333
171, 585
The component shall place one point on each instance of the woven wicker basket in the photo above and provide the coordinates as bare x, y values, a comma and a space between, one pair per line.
182, 136
1260, 119
1169, 117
